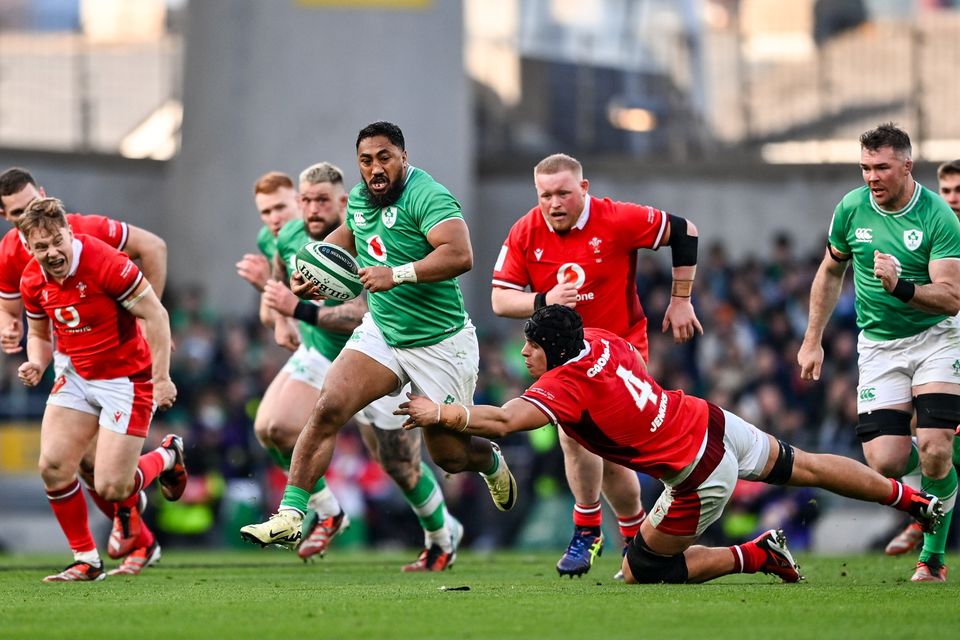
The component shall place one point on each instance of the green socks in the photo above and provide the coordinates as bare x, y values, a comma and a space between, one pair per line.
283, 461
426, 500
934, 544
295, 498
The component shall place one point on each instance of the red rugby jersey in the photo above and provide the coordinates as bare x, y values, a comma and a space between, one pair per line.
605, 399
102, 339
599, 255
14, 255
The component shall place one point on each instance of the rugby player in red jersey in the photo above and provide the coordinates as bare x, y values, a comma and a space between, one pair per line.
17, 189
595, 386
109, 379
581, 251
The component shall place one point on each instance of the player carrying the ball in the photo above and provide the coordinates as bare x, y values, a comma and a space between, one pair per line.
411, 241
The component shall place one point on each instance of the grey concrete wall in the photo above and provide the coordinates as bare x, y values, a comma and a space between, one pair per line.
274, 85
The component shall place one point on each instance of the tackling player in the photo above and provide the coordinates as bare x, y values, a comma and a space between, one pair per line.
595, 386
581, 251
109, 379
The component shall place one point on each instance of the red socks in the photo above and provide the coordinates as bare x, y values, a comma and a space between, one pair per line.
587, 515
70, 508
631, 525
747, 557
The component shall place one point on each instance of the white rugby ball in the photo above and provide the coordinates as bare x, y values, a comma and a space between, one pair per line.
331, 269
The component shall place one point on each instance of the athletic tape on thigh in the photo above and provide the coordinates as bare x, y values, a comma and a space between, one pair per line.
783, 467
937, 410
883, 422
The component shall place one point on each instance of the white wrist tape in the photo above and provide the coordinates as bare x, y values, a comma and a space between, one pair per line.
404, 273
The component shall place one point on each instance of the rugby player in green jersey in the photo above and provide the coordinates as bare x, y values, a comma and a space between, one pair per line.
904, 243
411, 241
283, 410
948, 176
324, 329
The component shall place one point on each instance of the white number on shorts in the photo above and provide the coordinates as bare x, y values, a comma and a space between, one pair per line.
641, 390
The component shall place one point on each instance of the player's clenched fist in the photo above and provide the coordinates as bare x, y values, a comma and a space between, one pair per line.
164, 393
30, 373
564, 293
887, 269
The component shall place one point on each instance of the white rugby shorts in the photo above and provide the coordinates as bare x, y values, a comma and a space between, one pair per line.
889, 369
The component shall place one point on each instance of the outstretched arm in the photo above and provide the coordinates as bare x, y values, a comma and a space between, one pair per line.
477, 420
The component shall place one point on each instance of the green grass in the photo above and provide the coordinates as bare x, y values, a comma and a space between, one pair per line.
352, 594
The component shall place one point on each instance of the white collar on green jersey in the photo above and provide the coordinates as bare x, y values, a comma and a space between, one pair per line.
917, 187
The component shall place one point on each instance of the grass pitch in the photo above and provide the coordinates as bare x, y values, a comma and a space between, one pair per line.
271, 595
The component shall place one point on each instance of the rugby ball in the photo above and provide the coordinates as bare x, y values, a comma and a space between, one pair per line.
331, 269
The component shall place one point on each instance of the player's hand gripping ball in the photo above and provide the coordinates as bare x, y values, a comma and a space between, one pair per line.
331, 269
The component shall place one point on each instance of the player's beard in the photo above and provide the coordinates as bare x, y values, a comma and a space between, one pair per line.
327, 228
385, 199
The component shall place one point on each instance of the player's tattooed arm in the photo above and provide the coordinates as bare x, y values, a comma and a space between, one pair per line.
343, 318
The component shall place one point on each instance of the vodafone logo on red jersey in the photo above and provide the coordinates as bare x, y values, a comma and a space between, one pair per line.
571, 273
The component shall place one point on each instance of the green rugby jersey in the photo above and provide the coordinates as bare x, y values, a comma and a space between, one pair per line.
267, 242
292, 236
924, 230
418, 314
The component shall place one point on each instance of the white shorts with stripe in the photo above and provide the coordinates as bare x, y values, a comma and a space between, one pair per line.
124, 405
694, 499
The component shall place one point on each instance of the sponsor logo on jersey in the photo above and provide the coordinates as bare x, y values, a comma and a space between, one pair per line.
538, 253
449, 399
868, 394
389, 217
117, 416
358, 219
376, 249
912, 238
571, 273
863, 234
128, 265
67, 316
956, 367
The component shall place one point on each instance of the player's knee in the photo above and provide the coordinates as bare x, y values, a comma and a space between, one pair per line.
281, 435
647, 567
53, 472
329, 414
451, 461
115, 490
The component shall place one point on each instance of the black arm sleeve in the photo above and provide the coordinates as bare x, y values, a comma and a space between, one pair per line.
684, 246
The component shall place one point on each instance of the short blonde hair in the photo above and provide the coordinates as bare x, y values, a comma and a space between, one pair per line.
559, 162
320, 173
